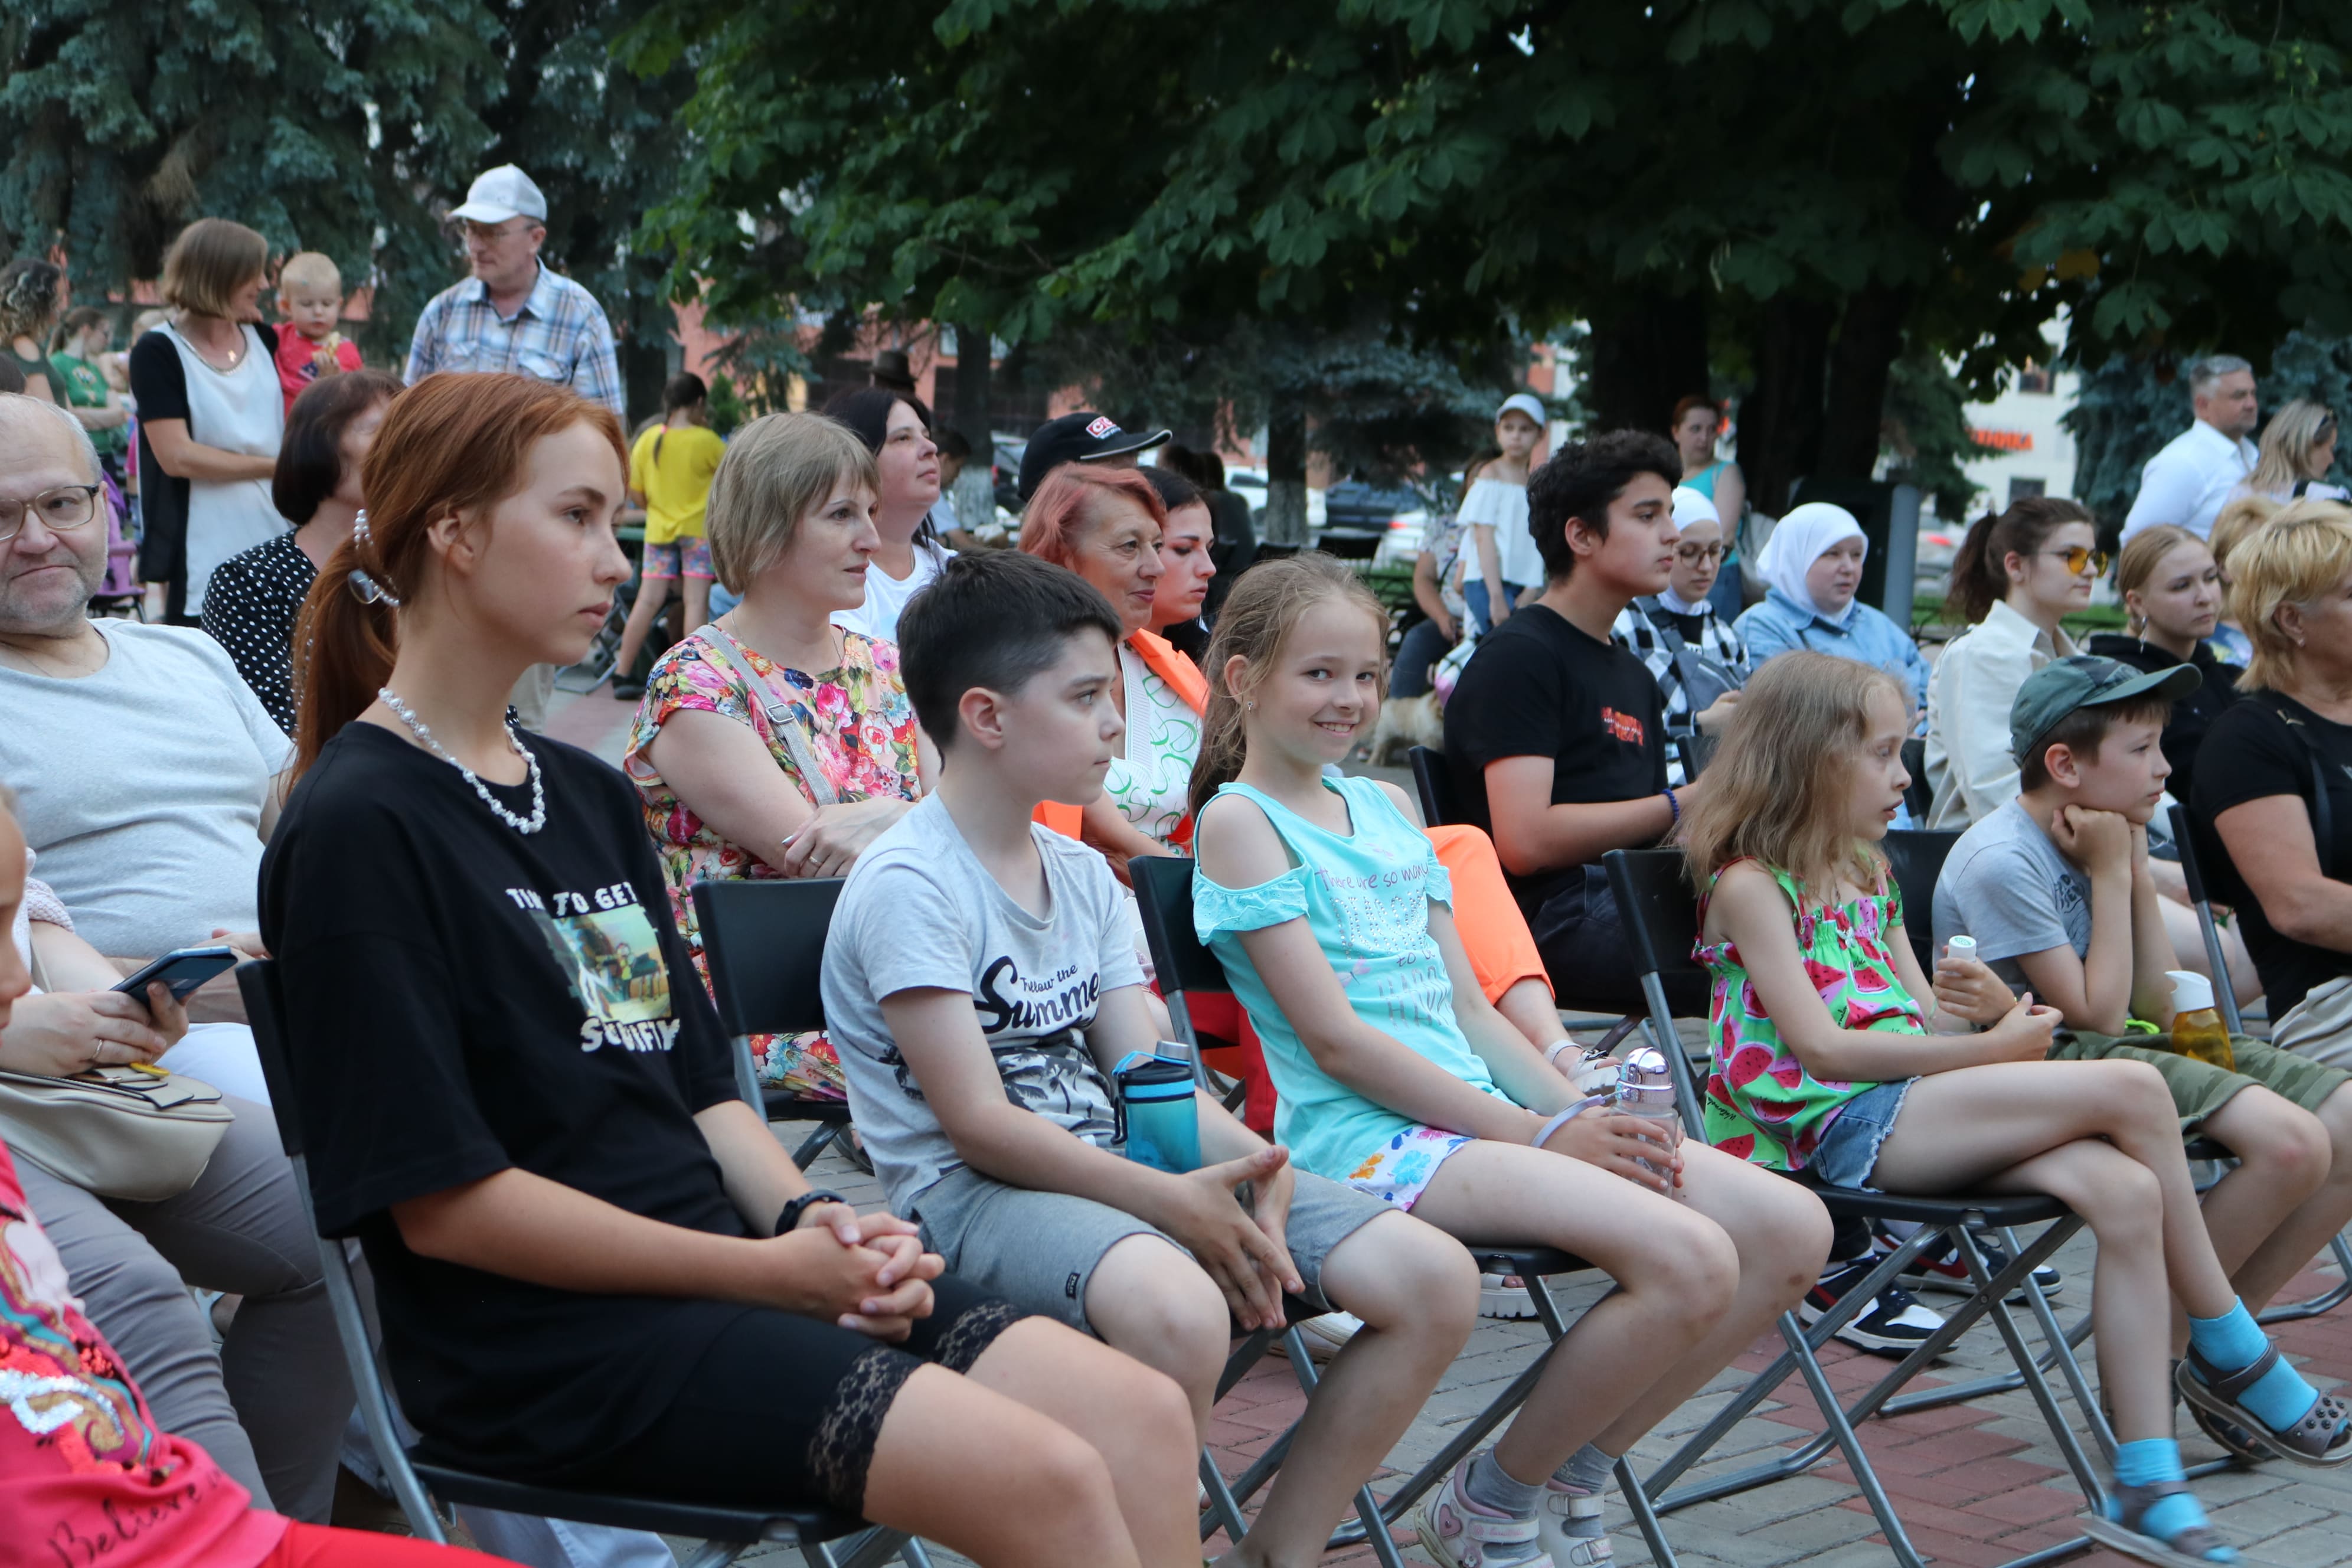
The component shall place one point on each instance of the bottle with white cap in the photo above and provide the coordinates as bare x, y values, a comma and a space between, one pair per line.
1939, 1021
2196, 1029
1645, 1087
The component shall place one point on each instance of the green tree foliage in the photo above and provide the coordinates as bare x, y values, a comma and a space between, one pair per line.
338, 127
1828, 185
328, 127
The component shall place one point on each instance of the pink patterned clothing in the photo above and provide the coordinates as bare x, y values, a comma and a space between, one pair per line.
1761, 1103
855, 719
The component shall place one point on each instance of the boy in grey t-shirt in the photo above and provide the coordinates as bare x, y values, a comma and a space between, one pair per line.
2055, 888
979, 980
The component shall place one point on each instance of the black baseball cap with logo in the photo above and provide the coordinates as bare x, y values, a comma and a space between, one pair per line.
1085, 436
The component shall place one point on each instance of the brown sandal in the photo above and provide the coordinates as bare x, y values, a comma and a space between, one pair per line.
2321, 1437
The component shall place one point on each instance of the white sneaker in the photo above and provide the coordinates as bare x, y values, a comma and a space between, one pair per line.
1461, 1534
1326, 1336
1503, 1295
1567, 1526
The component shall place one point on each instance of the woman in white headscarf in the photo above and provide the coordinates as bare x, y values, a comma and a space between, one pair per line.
1814, 562
1699, 662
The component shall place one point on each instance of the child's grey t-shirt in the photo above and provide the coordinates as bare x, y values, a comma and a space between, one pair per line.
919, 910
2006, 884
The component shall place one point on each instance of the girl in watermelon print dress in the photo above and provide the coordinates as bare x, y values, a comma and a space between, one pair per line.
1833, 1055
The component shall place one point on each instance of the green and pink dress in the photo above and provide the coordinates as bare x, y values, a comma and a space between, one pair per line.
1762, 1104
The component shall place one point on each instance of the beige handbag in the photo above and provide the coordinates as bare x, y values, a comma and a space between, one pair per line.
117, 1132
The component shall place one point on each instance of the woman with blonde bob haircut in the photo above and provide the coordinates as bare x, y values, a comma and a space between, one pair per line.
2274, 827
773, 742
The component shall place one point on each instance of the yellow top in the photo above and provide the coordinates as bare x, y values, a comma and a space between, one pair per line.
676, 483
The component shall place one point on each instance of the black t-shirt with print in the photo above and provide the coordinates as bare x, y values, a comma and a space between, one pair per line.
463, 999
2263, 758
1537, 687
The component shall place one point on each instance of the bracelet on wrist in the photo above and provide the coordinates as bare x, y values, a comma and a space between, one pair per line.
1674, 806
790, 1219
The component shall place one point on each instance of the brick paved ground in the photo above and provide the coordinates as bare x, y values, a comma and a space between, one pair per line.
1976, 1484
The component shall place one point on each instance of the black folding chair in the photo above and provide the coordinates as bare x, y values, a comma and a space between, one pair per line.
725, 1533
1434, 785
1664, 916
2225, 996
765, 942
1914, 859
1164, 890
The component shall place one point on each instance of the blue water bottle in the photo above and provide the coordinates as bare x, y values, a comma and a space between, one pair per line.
1163, 1126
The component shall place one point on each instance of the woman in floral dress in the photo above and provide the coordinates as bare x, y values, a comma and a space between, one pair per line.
772, 743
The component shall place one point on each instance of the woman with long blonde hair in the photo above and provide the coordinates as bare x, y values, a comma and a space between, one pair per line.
2298, 450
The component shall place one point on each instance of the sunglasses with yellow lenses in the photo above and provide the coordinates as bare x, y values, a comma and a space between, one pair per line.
2081, 562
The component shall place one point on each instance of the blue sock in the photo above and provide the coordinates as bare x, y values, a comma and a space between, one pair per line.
2153, 1460
1491, 1485
2235, 1340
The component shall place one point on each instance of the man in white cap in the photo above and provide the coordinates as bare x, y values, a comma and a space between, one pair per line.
514, 314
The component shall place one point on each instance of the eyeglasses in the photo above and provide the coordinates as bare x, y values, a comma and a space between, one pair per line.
66, 507
2080, 560
1694, 553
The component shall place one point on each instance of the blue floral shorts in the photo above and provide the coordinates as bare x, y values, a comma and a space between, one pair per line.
1401, 1168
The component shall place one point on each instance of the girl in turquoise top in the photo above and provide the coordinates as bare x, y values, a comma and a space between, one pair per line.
1330, 913
1823, 1059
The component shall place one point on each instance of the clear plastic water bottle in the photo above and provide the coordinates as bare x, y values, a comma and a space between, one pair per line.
1645, 1087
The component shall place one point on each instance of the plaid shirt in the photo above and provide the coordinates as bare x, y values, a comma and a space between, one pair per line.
1639, 635
559, 335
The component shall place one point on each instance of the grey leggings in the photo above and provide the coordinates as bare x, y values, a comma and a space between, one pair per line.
269, 1406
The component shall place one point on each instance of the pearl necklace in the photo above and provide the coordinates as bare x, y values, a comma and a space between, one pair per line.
538, 817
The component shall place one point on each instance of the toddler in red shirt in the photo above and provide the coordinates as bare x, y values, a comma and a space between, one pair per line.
310, 298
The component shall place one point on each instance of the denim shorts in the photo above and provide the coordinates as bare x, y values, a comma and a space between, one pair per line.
1849, 1150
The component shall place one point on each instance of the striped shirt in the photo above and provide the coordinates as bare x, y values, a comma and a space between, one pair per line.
559, 334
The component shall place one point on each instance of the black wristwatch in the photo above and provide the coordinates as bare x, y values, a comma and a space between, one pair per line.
790, 1220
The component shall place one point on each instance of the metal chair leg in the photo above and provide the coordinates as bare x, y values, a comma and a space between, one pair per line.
816, 1142
2327, 1300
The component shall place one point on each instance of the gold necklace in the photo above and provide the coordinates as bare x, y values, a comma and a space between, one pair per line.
236, 354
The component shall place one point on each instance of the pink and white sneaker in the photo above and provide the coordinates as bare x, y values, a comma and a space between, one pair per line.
1569, 1528
1461, 1534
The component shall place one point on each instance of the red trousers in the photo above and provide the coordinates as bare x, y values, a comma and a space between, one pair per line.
317, 1546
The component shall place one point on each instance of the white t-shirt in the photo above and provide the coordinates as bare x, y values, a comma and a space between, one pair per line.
921, 912
887, 595
142, 787
1504, 508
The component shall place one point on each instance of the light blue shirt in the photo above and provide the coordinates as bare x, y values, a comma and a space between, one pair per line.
1780, 625
559, 334
1366, 898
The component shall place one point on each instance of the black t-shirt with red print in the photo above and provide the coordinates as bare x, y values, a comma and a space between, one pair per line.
1539, 687
464, 999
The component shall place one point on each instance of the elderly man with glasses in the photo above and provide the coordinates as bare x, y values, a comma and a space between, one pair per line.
145, 769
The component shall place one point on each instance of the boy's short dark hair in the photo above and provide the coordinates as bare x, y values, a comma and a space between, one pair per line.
992, 618
1581, 480
952, 443
2084, 731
